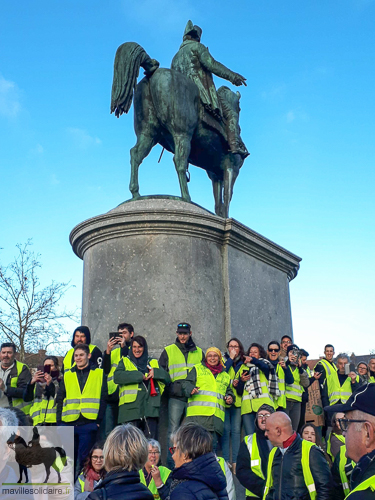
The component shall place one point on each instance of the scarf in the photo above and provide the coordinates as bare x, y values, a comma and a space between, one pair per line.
215, 370
91, 476
142, 362
253, 386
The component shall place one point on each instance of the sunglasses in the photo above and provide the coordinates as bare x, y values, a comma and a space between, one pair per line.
172, 449
183, 325
274, 350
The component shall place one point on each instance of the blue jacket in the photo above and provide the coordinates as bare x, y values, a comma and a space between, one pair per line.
201, 479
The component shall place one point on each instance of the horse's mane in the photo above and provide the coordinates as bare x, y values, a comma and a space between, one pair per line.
129, 57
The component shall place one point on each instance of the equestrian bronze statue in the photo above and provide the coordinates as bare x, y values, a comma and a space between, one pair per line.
180, 109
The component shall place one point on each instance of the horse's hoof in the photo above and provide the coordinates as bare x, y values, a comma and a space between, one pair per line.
135, 196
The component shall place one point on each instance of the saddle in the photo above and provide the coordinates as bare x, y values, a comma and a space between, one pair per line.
214, 121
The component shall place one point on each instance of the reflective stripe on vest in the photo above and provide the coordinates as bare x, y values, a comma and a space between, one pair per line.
294, 391
43, 410
346, 389
164, 474
342, 470
177, 366
69, 358
81, 479
115, 360
129, 392
305, 462
281, 400
369, 483
339, 437
210, 398
332, 382
249, 404
86, 402
19, 402
255, 460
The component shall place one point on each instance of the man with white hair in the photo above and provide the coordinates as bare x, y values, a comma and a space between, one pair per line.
358, 427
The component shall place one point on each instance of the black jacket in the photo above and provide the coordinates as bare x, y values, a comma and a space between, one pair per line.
174, 388
82, 376
201, 479
121, 485
96, 358
364, 469
288, 481
23, 379
244, 473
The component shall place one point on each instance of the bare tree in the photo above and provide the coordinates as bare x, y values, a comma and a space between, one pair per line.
29, 314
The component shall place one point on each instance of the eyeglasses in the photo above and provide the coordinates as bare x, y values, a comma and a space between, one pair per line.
344, 423
97, 459
233, 346
264, 417
154, 452
172, 449
274, 350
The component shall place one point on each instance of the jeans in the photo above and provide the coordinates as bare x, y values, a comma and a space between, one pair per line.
176, 412
109, 421
232, 428
84, 440
293, 410
249, 423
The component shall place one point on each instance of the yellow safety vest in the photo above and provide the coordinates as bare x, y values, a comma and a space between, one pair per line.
369, 483
344, 478
339, 437
280, 402
43, 410
177, 366
294, 391
237, 398
210, 398
371, 380
346, 389
249, 405
255, 460
164, 474
129, 392
331, 381
85, 403
67, 363
19, 402
222, 464
307, 474
115, 360
81, 479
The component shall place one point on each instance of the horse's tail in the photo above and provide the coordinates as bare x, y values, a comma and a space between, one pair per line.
129, 57
62, 454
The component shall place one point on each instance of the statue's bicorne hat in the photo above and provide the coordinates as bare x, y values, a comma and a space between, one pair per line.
192, 29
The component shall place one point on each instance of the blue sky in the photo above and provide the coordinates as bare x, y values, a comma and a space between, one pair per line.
307, 119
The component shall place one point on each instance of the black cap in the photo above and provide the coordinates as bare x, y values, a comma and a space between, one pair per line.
183, 328
363, 400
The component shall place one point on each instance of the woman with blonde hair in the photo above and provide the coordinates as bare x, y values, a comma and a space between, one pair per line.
125, 453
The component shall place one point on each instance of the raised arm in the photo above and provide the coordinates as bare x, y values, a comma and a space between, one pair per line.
219, 69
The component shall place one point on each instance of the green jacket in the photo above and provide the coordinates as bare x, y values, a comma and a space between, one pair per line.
144, 405
211, 423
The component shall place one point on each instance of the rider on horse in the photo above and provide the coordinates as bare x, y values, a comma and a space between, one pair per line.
195, 61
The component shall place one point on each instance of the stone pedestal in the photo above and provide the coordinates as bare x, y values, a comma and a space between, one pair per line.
156, 262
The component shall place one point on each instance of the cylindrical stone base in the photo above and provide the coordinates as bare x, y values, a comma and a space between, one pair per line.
156, 262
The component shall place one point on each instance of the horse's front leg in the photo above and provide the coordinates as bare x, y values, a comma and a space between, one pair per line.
182, 145
137, 154
230, 175
48, 472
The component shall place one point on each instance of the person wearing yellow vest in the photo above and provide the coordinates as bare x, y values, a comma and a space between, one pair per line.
328, 379
296, 468
42, 390
153, 475
363, 372
81, 402
92, 473
14, 377
341, 472
136, 376
335, 438
348, 382
233, 360
251, 403
358, 427
208, 389
295, 390
284, 375
371, 368
82, 335
178, 359
117, 348
252, 458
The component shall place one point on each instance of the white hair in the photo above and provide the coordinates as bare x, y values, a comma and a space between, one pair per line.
8, 423
360, 415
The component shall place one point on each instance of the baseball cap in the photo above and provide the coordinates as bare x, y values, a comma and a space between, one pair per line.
363, 399
183, 328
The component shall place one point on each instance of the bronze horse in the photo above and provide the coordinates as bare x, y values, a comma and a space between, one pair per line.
167, 111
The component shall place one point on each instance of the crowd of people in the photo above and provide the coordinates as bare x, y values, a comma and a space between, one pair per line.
113, 400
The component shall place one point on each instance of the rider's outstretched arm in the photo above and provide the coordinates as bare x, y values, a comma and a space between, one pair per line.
219, 69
